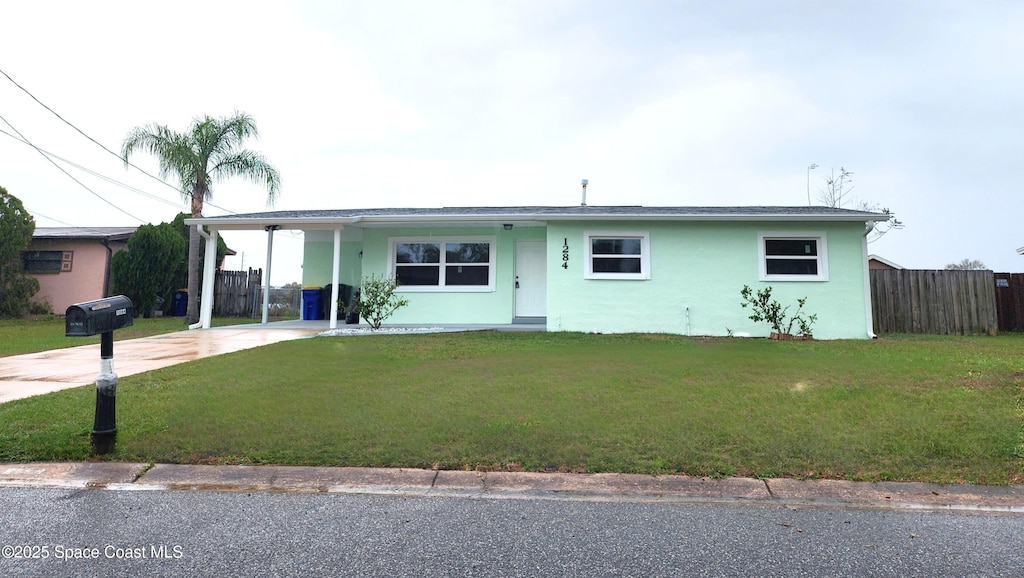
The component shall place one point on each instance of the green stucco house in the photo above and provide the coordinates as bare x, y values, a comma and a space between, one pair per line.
615, 269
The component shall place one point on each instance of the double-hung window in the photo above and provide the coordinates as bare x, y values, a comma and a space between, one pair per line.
793, 256
443, 264
615, 255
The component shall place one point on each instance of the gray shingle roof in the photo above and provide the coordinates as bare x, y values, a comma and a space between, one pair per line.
109, 233
596, 211
541, 213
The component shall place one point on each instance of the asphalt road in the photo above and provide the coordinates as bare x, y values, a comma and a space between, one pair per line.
85, 532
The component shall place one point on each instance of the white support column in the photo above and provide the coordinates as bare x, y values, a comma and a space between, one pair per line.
868, 306
335, 273
209, 277
266, 280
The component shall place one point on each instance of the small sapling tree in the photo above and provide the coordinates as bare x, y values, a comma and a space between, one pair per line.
377, 300
765, 309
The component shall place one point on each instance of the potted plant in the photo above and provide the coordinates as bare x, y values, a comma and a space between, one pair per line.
352, 311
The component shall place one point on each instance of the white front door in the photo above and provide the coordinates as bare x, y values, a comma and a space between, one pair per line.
531, 279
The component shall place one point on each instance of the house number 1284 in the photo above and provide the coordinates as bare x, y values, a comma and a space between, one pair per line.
565, 254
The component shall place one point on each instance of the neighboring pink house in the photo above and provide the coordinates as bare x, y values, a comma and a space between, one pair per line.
72, 264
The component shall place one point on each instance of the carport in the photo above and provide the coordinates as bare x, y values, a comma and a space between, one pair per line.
209, 228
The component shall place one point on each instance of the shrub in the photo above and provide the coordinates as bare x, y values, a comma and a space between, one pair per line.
144, 272
16, 228
42, 307
377, 299
770, 311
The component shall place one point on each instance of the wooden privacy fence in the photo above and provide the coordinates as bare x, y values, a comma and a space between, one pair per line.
933, 301
1010, 301
234, 292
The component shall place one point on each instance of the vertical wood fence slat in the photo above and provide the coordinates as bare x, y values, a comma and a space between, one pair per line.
233, 292
1010, 301
944, 302
1017, 298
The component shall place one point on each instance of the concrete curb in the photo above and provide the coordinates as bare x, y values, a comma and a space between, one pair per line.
70, 475
516, 485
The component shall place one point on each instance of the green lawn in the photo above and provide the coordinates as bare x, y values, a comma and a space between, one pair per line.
19, 336
931, 409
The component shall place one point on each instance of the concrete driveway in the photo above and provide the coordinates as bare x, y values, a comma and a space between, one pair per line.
38, 373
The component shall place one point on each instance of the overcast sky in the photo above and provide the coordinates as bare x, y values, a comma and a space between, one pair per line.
442, 103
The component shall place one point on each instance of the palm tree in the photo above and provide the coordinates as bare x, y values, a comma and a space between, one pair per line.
209, 151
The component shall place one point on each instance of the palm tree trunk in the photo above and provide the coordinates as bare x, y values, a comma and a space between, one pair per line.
192, 311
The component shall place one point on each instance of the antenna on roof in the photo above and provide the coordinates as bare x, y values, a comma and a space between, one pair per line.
584, 202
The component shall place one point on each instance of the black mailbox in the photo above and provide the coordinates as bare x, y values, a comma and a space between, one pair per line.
96, 317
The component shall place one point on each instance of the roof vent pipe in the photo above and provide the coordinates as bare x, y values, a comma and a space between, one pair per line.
584, 202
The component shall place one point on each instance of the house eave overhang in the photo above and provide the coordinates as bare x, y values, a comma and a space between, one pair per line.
82, 233
545, 218
512, 217
253, 223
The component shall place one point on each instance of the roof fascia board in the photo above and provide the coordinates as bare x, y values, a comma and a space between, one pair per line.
618, 217
227, 223
84, 237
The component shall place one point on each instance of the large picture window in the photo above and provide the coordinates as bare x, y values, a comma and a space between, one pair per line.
617, 255
453, 264
793, 256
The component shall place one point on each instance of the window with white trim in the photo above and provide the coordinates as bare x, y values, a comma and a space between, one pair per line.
616, 255
793, 256
443, 264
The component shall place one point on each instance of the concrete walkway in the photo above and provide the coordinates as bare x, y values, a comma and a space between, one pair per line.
38, 373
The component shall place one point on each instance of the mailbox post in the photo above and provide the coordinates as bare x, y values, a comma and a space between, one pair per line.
102, 317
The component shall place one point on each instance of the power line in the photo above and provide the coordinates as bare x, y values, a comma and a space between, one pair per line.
70, 176
91, 229
79, 131
38, 214
101, 175
94, 173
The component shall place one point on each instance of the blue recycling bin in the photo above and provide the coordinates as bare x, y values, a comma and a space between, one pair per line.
180, 302
311, 308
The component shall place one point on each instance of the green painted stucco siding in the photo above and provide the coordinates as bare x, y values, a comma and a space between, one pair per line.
496, 306
696, 272
318, 251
